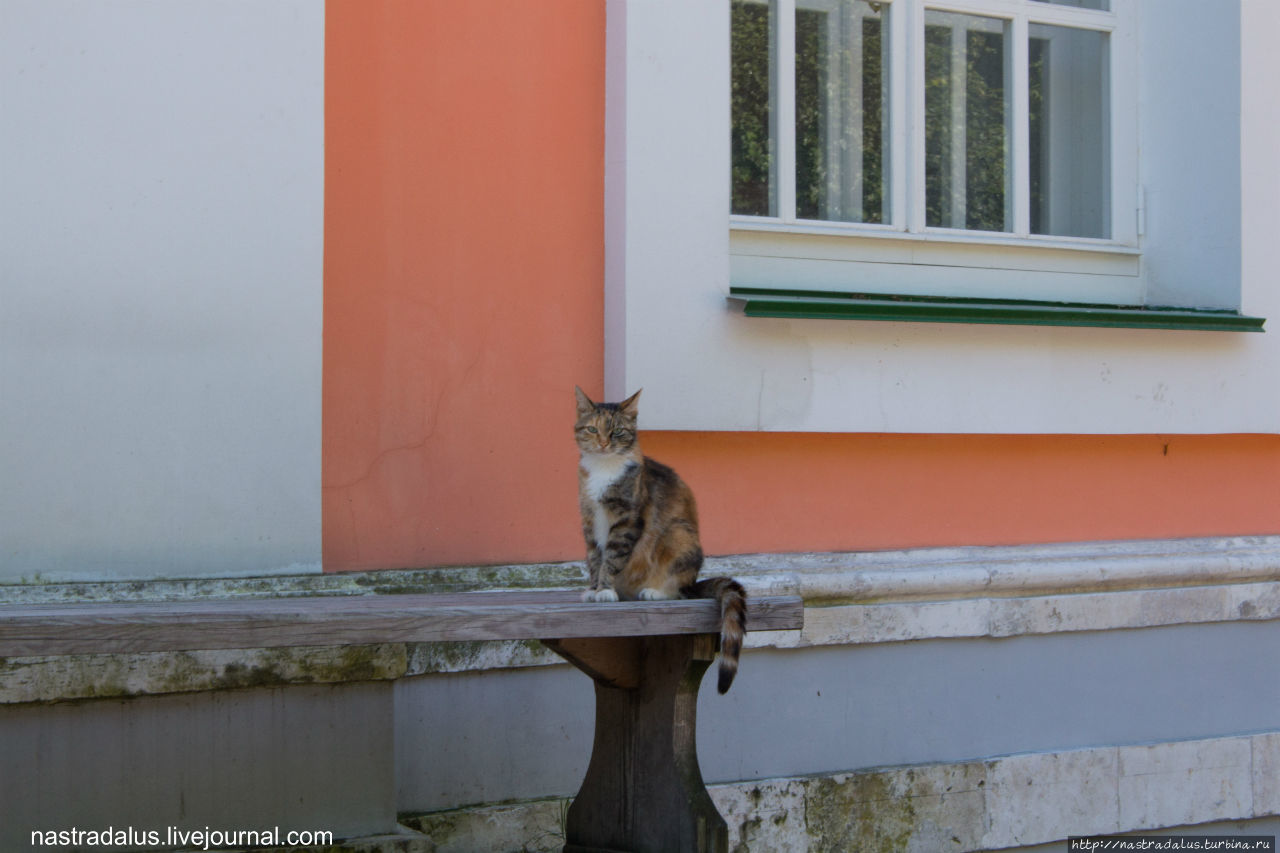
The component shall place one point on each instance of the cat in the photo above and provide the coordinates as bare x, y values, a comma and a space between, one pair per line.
640, 523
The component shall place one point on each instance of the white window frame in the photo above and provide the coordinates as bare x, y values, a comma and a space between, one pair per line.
1068, 267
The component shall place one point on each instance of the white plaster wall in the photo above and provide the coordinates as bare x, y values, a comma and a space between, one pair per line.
161, 212
1259, 144
1191, 76
705, 366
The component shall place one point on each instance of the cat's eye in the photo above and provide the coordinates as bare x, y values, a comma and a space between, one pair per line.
592, 430
619, 433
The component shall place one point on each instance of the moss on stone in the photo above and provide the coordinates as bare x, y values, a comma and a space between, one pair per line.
73, 677
859, 812
527, 826
463, 656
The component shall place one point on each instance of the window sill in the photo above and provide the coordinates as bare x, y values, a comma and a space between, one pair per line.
830, 305
940, 236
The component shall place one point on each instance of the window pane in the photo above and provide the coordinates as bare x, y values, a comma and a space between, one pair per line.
841, 111
1104, 5
966, 122
1070, 158
752, 108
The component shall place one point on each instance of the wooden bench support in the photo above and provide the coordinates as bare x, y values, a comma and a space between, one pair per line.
643, 790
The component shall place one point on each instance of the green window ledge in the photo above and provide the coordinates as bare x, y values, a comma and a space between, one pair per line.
831, 305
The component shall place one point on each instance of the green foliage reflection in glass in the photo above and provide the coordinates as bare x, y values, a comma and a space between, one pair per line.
966, 123
842, 153
752, 137
840, 112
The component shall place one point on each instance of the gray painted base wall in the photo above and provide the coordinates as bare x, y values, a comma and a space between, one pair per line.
939, 700
302, 758
491, 736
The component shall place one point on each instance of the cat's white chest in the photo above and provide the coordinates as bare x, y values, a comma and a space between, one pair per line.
602, 472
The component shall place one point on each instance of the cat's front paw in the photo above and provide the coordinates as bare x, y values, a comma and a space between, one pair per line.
606, 595
653, 595
588, 595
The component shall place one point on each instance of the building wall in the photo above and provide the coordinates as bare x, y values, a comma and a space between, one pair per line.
161, 178
163, 367
672, 258
762, 492
230, 760
457, 324
463, 265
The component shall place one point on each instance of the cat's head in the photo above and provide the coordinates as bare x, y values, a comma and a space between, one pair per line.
606, 428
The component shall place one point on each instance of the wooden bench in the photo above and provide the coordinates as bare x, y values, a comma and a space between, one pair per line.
643, 789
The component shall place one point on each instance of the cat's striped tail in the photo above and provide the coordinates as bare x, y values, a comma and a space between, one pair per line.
732, 599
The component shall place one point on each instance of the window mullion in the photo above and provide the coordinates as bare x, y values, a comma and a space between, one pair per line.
1123, 130
1020, 143
786, 71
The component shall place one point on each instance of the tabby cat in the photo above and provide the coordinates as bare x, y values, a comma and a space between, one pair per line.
641, 525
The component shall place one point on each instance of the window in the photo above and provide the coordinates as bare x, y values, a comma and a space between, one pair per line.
991, 121
963, 351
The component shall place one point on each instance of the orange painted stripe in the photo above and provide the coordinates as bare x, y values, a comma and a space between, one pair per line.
795, 492
464, 255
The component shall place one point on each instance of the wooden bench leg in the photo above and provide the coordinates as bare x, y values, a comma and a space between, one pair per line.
643, 790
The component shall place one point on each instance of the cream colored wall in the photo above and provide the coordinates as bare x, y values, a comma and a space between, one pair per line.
160, 295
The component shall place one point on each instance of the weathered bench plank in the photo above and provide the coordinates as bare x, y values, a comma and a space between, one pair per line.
61, 629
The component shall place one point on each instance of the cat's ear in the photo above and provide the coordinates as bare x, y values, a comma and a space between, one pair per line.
631, 406
584, 402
